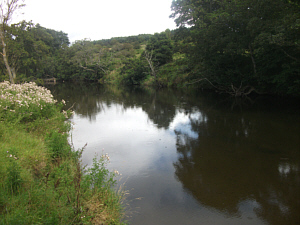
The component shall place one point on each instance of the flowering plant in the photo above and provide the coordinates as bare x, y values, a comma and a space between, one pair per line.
26, 102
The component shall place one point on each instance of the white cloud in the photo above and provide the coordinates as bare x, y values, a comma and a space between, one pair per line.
182, 123
100, 19
131, 140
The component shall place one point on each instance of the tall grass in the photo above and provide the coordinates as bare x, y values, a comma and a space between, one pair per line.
42, 180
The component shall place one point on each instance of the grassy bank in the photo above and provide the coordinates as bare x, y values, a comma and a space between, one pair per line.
41, 178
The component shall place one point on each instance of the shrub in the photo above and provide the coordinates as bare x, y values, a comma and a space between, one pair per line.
26, 102
97, 176
134, 72
57, 144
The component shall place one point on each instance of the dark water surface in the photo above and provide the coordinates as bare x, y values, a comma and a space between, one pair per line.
192, 158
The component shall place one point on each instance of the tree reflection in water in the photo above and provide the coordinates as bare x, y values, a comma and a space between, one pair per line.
233, 156
229, 159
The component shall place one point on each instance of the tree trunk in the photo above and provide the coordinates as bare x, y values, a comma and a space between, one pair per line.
7, 8
149, 60
253, 61
11, 74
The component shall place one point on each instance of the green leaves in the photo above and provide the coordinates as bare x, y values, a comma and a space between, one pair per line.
162, 48
13, 180
58, 145
243, 41
34, 51
98, 177
134, 72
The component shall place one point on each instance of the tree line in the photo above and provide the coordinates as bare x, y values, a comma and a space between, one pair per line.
241, 45
232, 46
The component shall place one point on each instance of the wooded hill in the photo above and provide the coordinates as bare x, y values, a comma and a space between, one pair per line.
237, 47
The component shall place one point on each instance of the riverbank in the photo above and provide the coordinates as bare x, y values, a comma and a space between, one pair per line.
42, 179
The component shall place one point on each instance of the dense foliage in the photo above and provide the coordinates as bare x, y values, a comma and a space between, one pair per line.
237, 47
35, 51
162, 48
242, 42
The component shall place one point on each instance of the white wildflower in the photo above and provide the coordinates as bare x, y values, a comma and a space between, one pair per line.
65, 114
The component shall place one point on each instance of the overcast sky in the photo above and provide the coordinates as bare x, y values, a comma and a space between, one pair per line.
100, 19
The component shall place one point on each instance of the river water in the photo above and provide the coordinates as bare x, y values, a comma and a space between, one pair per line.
188, 157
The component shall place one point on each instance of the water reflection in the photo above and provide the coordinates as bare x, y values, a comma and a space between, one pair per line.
240, 162
182, 124
285, 169
235, 160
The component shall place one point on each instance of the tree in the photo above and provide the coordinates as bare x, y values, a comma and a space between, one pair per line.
158, 52
160, 46
7, 7
242, 43
37, 52
134, 71
19, 46
93, 59
149, 58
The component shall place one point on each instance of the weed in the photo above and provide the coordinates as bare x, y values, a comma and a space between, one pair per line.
13, 179
57, 144
97, 176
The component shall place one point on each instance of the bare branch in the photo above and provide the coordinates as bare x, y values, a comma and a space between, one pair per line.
232, 90
288, 55
206, 80
148, 57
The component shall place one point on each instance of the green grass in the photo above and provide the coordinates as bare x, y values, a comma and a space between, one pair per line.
41, 178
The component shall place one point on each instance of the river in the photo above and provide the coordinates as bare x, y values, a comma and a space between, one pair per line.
189, 157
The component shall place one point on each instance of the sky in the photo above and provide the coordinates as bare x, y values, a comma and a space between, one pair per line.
99, 19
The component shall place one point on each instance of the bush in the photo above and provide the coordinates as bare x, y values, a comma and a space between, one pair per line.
134, 72
97, 176
57, 144
26, 102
